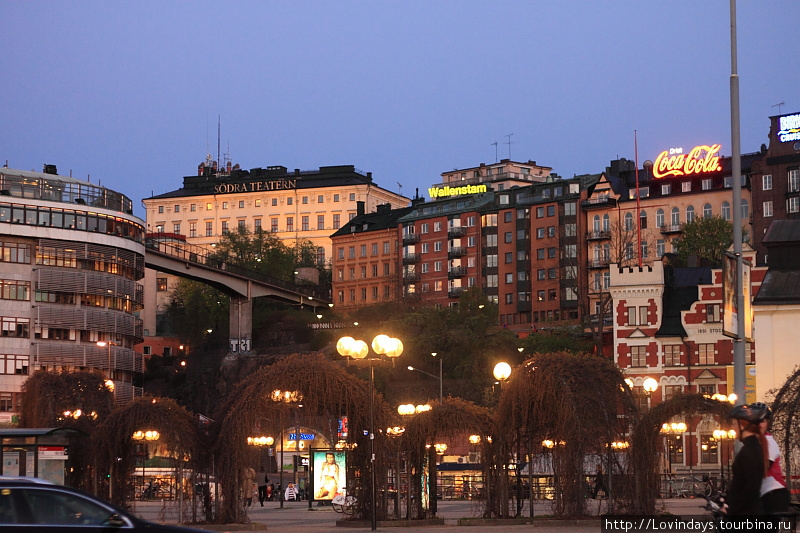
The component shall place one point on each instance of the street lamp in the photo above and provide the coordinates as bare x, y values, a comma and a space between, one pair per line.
108, 344
722, 436
358, 349
501, 372
434, 377
676, 430
285, 397
143, 437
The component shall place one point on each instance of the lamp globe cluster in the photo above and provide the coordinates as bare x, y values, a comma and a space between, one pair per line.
358, 349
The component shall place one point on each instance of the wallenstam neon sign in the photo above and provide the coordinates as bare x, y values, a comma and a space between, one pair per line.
700, 160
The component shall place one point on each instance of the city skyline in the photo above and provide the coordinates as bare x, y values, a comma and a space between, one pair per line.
131, 98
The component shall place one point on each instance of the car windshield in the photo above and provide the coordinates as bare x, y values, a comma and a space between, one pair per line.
52, 507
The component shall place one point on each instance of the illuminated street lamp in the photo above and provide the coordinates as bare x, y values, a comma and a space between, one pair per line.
109, 344
501, 372
724, 436
358, 349
150, 435
674, 430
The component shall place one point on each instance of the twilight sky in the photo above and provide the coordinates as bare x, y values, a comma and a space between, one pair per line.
128, 93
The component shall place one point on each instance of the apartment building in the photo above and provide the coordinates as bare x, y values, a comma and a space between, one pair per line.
71, 257
776, 179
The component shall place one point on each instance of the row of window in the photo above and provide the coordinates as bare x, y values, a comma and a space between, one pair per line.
604, 224
305, 225
672, 354
363, 294
374, 247
304, 200
32, 215
792, 181
386, 272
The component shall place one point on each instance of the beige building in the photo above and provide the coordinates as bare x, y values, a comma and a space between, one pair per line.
294, 205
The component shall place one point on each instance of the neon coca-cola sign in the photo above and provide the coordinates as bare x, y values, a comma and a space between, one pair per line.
699, 160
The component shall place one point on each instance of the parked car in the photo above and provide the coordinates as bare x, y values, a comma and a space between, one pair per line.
30, 504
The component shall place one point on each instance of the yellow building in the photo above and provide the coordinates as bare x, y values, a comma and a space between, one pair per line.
294, 205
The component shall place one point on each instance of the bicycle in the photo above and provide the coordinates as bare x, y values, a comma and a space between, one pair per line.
344, 503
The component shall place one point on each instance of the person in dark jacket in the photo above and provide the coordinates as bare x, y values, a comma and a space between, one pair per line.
749, 466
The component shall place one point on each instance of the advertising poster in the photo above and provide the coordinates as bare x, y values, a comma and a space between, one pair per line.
730, 307
329, 472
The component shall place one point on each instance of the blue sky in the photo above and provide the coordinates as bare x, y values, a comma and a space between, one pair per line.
128, 94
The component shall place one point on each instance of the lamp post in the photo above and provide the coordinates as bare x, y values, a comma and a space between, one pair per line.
431, 375
676, 429
501, 372
110, 376
723, 436
143, 437
285, 397
358, 349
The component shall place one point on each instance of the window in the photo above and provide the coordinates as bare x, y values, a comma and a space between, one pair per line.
304, 223
491, 260
672, 355
712, 313
209, 207
509, 298
660, 218
638, 356
193, 228
16, 327
160, 209
335, 197
552, 273
540, 253
540, 212
686, 186
192, 207
491, 241
766, 182
176, 208
570, 230
386, 248
351, 252
15, 290
569, 251
508, 237
509, 278
705, 354
508, 216
363, 272
274, 202
793, 204
437, 246
320, 199
224, 227
161, 284
707, 212
305, 199
289, 223
768, 209
708, 449
552, 295
176, 228
540, 233
437, 226
644, 249
424, 228
666, 189
289, 200
337, 221
540, 295
437, 266
424, 268
491, 280
509, 257
551, 231
551, 210
628, 222
745, 209
794, 180
675, 217
668, 391
569, 207
705, 184
725, 210
209, 229
374, 248
241, 223
541, 274
320, 221
437, 286
660, 248
470, 221
12, 252
689, 214
224, 205
273, 225
489, 220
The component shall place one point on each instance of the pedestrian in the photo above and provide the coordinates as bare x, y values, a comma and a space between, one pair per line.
248, 482
750, 464
261, 481
291, 492
599, 483
270, 491
775, 497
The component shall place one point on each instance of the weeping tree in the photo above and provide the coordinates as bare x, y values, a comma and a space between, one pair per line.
313, 391
75, 400
453, 418
646, 442
179, 435
786, 420
578, 402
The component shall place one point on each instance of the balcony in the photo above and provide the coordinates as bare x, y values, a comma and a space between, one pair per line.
457, 272
598, 263
410, 238
456, 231
598, 235
524, 307
456, 251
454, 292
601, 202
410, 277
410, 259
412, 296
671, 228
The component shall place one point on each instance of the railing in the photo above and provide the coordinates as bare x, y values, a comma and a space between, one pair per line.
456, 231
409, 259
456, 251
597, 235
672, 228
600, 201
456, 272
191, 253
455, 292
410, 238
598, 263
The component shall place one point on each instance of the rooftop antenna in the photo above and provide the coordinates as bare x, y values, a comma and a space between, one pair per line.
219, 161
779, 105
495, 151
509, 144
400, 185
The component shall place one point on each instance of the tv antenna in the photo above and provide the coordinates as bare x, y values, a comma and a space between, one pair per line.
509, 144
779, 105
400, 185
495, 151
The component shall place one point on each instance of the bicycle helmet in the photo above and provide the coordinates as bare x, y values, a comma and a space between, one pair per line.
752, 413
764, 406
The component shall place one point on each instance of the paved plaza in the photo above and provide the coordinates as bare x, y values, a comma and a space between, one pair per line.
296, 517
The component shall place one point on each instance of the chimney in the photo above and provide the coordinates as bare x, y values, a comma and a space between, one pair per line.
359, 208
50, 169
